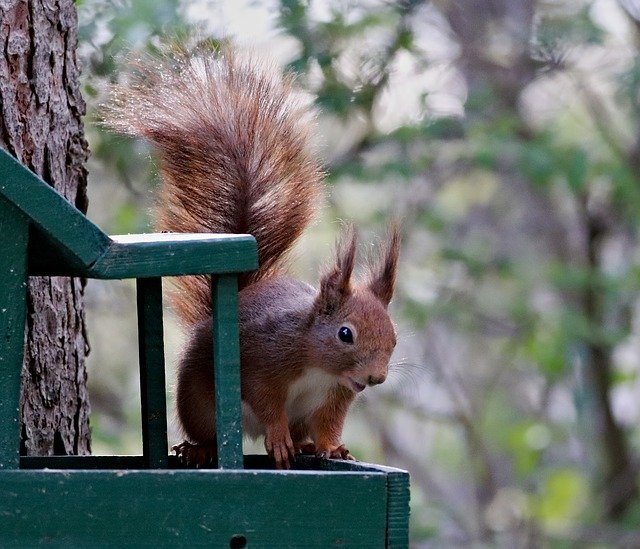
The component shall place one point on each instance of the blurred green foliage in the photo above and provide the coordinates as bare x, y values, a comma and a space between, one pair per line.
506, 136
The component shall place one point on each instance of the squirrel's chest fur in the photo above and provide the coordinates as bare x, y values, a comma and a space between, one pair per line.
304, 396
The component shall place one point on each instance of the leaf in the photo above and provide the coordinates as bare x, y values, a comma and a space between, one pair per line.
564, 495
577, 169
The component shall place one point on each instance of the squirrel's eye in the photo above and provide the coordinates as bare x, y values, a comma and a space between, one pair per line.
345, 335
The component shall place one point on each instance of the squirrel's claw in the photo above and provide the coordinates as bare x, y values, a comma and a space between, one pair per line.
339, 452
195, 455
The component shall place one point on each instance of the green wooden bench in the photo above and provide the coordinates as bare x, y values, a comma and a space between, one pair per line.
151, 499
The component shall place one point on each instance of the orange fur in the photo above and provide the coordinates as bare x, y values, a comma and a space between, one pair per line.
232, 140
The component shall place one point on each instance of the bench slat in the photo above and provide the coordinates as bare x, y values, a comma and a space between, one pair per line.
152, 384
226, 367
13, 276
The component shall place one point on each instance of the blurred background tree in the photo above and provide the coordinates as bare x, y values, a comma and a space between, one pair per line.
506, 136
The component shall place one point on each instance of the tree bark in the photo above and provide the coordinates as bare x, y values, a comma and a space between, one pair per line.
619, 483
41, 124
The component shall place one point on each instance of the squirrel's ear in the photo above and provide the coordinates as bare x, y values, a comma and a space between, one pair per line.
335, 285
382, 274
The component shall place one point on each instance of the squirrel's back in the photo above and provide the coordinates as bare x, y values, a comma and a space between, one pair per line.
232, 136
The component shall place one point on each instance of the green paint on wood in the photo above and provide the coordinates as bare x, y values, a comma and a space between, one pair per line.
175, 254
259, 462
226, 365
152, 383
167, 508
50, 212
149, 255
13, 287
84, 462
64, 242
398, 495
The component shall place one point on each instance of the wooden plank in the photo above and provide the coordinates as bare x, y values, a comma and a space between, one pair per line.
152, 379
398, 492
336, 465
398, 495
50, 212
167, 508
252, 461
226, 370
83, 462
167, 255
397, 480
13, 288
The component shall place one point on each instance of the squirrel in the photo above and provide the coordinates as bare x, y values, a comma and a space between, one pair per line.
232, 136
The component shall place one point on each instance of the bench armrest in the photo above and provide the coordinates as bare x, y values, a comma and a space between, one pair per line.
157, 254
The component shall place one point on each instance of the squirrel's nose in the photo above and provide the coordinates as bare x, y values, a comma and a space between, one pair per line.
376, 380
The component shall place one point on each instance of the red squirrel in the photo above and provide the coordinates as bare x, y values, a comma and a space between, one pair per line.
232, 136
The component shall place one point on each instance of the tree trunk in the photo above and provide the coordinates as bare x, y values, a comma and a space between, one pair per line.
41, 125
619, 483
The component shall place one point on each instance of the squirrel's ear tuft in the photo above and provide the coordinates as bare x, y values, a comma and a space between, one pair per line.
335, 285
382, 273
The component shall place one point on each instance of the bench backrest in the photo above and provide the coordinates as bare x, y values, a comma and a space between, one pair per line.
60, 232
43, 234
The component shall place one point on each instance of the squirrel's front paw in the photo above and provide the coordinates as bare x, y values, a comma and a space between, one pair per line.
279, 446
198, 455
335, 452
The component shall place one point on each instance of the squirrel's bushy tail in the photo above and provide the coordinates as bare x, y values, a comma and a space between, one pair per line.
232, 138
